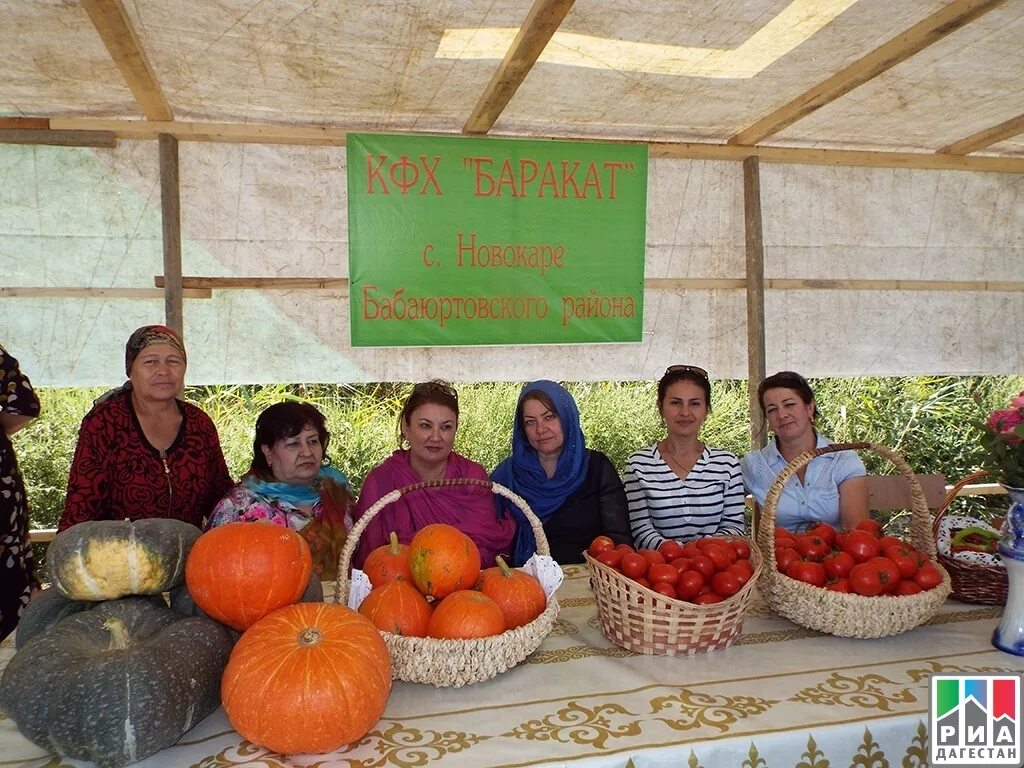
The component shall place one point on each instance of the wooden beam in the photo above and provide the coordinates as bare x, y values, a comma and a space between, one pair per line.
104, 139
260, 283
115, 29
541, 22
244, 133
753, 236
985, 138
59, 292
170, 208
840, 157
901, 47
264, 133
25, 123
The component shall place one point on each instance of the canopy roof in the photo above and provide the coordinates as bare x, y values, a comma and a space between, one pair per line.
918, 76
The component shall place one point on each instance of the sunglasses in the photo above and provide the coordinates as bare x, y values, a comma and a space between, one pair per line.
437, 385
687, 369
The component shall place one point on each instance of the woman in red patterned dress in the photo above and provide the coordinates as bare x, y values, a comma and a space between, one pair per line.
142, 451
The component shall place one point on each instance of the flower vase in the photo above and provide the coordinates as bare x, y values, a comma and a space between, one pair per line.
1009, 635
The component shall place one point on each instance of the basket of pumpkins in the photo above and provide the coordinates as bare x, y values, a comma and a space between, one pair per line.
445, 621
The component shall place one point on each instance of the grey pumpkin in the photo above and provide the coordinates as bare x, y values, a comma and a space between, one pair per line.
106, 559
116, 683
45, 610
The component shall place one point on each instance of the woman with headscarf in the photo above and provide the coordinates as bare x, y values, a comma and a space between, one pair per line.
289, 484
18, 406
143, 452
426, 434
575, 492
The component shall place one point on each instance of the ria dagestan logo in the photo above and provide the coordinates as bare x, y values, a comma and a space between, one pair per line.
975, 720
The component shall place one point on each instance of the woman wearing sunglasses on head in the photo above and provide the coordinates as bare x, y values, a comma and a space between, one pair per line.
426, 436
832, 488
680, 488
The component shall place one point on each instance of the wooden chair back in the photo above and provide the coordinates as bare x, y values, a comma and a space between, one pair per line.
888, 492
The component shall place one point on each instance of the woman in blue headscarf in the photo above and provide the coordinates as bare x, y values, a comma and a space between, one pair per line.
575, 492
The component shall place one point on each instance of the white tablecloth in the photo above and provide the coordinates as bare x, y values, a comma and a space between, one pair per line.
780, 696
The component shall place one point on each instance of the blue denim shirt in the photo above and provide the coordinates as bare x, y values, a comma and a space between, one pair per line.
801, 505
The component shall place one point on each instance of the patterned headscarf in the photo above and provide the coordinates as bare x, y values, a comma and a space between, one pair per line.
150, 334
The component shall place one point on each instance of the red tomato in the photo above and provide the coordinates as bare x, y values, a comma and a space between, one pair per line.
708, 598
789, 543
690, 584
633, 565
704, 564
652, 556
742, 567
670, 550
839, 585
643, 582
812, 548
871, 526
905, 562
888, 573
865, 580
662, 572
726, 584
741, 548
624, 548
681, 564
825, 532
908, 587
600, 544
782, 533
839, 564
612, 558
719, 555
690, 549
861, 544
890, 541
784, 557
928, 577
811, 573
664, 588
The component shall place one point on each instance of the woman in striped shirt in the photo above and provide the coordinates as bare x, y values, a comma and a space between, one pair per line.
680, 488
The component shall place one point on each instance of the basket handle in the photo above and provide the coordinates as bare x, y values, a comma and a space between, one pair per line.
953, 493
349, 548
920, 520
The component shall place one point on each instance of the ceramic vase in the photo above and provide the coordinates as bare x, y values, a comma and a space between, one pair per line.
1009, 635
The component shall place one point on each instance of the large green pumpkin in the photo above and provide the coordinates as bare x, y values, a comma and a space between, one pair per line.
116, 683
107, 559
45, 610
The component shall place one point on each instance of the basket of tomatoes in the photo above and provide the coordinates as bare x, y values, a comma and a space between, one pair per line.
680, 599
446, 622
855, 583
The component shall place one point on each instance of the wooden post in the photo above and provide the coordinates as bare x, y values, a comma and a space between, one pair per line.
755, 295
170, 203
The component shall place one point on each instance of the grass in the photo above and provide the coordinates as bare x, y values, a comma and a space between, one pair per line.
931, 420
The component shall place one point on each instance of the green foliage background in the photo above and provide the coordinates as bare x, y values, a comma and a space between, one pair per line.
931, 420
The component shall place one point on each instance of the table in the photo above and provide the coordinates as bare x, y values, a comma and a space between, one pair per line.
779, 696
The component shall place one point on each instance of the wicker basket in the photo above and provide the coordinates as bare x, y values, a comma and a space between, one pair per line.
972, 582
647, 622
841, 614
453, 663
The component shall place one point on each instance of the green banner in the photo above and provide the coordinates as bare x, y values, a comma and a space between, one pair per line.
457, 241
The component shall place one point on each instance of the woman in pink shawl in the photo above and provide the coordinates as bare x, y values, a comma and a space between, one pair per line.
427, 425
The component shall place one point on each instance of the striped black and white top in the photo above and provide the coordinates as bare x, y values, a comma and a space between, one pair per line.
661, 506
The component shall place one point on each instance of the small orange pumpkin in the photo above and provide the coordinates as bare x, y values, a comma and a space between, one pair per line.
442, 559
323, 663
466, 614
388, 562
239, 572
397, 607
519, 595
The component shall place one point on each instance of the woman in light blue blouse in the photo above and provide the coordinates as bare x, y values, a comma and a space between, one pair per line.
832, 488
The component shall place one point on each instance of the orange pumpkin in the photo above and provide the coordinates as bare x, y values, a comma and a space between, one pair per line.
519, 595
387, 563
466, 614
442, 559
397, 607
308, 678
239, 572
